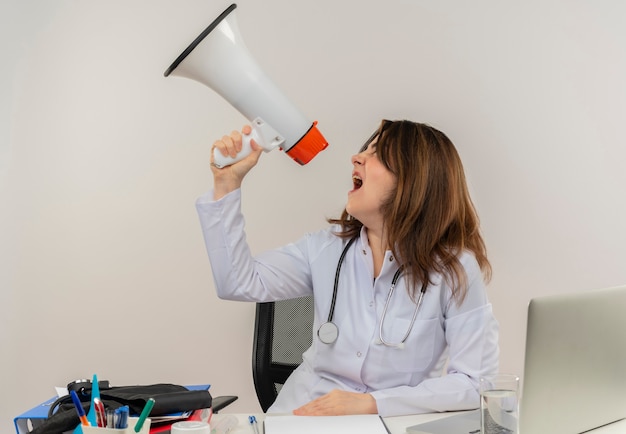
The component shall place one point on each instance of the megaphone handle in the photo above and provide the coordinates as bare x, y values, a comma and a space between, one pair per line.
246, 149
264, 136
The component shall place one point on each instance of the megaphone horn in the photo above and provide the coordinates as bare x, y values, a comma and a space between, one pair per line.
219, 59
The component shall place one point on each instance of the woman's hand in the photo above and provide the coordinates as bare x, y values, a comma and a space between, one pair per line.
339, 402
229, 178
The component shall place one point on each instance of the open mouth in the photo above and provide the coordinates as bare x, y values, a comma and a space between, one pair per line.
357, 182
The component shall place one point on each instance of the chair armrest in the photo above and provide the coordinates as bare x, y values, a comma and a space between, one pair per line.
220, 402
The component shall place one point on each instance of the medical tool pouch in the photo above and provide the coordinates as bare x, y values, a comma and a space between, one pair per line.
169, 399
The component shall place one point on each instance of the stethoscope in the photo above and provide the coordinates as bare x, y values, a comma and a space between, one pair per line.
328, 332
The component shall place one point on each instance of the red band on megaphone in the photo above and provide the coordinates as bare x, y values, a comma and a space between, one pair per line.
308, 146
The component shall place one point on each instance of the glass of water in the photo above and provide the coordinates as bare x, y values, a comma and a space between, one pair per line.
499, 404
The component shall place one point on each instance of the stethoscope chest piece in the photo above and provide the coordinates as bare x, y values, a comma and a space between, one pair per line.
328, 332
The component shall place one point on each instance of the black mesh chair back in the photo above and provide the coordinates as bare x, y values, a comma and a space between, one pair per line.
282, 332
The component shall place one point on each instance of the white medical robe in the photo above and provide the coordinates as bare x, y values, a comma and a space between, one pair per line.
460, 342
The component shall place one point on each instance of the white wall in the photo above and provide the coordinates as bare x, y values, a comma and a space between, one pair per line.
101, 158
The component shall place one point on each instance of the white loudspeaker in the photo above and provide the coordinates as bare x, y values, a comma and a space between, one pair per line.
219, 59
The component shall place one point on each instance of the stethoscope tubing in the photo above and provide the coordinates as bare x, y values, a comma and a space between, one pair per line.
331, 312
328, 332
413, 318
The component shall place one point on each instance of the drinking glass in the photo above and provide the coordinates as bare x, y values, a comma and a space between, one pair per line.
499, 404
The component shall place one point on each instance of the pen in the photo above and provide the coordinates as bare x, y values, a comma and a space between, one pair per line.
121, 417
255, 427
144, 414
101, 418
79, 408
110, 418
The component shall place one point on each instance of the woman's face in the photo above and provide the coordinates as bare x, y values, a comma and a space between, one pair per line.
373, 183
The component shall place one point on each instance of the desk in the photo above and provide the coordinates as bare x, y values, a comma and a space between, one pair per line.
398, 424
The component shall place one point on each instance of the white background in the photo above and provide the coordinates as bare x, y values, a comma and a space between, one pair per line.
103, 268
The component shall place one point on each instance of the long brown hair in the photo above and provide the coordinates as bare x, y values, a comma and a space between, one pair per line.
430, 220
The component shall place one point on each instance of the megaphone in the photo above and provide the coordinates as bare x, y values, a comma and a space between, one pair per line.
219, 59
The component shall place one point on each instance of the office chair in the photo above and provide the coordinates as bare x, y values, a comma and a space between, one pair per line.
282, 332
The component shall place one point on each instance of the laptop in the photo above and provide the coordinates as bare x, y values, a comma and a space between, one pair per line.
575, 367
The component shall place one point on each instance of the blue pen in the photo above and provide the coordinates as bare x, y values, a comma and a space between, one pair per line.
255, 427
121, 417
79, 408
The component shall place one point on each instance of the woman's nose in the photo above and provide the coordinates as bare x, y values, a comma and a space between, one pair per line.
356, 159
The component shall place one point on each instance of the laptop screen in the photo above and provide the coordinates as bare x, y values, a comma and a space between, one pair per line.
575, 366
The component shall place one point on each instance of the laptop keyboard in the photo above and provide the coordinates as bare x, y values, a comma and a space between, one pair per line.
493, 427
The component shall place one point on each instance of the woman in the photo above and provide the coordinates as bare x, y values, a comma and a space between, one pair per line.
410, 297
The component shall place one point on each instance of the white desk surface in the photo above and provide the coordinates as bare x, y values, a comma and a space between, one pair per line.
398, 424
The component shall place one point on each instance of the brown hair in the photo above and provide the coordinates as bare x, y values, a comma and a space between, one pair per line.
430, 220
